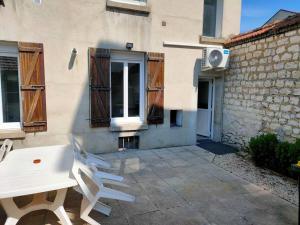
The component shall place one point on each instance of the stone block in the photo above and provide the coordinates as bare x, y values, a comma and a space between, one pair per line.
291, 33
283, 41
294, 48
286, 108
296, 56
295, 39
269, 52
294, 123
279, 83
257, 54
272, 75
278, 66
278, 99
272, 45
276, 58
291, 65
296, 74
280, 50
252, 48
286, 56
285, 91
274, 107
296, 131
289, 84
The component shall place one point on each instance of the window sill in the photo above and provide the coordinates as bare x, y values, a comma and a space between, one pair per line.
175, 126
211, 40
12, 134
128, 127
128, 6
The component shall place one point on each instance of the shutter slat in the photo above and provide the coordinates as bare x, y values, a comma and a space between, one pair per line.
100, 87
155, 88
31, 57
31, 68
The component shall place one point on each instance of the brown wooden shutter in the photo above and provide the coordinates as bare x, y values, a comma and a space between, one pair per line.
31, 57
100, 87
155, 88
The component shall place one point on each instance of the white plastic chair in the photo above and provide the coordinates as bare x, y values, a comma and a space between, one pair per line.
5, 148
92, 188
88, 158
106, 178
95, 163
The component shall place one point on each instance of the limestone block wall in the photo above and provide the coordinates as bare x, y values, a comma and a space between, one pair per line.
262, 89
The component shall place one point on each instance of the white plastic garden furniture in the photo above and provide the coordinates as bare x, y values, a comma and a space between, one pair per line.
94, 162
106, 178
93, 189
5, 148
36, 171
88, 158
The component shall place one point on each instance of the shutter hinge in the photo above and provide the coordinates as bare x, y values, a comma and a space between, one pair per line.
32, 87
34, 123
99, 88
155, 89
101, 120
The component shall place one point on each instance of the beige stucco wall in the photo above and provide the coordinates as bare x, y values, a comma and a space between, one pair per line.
64, 25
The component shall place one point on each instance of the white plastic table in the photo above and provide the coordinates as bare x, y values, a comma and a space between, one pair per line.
36, 171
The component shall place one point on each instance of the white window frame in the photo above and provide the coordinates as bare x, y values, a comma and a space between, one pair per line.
219, 19
133, 2
126, 59
9, 51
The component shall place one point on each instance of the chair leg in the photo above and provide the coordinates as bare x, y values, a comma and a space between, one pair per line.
11, 221
62, 216
102, 208
86, 208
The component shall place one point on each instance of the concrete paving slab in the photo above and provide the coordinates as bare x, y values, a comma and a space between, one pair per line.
179, 186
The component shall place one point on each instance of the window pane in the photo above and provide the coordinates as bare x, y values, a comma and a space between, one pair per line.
210, 18
203, 95
117, 104
133, 89
10, 89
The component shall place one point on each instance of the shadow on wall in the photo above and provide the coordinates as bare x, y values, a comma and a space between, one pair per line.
101, 140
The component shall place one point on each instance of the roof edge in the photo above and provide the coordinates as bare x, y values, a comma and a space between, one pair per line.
291, 23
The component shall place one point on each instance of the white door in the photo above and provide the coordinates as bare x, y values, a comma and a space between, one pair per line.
204, 108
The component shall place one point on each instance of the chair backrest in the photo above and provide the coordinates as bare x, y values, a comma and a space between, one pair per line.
78, 147
5, 148
79, 170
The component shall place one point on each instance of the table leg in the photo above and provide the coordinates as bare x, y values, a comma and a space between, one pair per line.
58, 207
62, 216
14, 213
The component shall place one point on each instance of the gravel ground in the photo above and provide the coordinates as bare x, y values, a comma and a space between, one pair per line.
241, 166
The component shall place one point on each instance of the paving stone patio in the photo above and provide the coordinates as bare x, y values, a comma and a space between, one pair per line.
179, 186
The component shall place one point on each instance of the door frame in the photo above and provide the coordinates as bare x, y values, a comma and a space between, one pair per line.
211, 100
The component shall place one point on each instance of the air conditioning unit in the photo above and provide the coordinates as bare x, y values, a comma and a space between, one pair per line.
215, 59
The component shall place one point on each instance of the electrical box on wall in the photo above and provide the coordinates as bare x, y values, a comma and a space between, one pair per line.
215, 59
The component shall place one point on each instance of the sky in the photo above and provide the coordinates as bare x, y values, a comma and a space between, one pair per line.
256, 12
